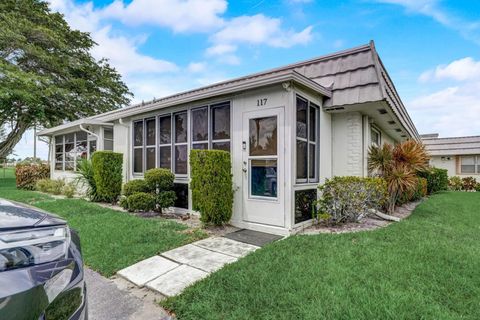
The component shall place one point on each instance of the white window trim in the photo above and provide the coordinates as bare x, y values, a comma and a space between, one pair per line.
88, 140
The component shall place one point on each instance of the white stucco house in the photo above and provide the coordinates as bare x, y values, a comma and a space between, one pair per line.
287, 129
459, 155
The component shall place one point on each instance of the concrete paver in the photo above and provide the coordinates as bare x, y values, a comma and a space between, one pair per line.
174, 281
226, 246
147, 270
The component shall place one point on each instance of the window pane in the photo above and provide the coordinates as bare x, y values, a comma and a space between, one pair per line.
181, 190
313, 123
311, 161
69, 137
150, 128
200, 124
263, 136
150, 158
166, 157
69, 165
200, 146
59, 148
59, 157
304, 208
108, 145
58, 165
138, 133
59, 140
221, 122
81, 135
221, 146
301, 160
302, 118
263, 178
69, 152
375, 137
181, 159
165, 130
137, 160
181, 127
82, 150
468, 164
108, 134
93, 146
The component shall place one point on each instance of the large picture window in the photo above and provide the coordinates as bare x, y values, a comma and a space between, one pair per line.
470, 164
307, 140
70, 148
211, 127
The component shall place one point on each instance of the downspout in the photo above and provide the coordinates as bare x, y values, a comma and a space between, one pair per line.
127, 166
90, 132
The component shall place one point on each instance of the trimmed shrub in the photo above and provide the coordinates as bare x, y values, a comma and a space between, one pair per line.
455, 183
69, 190
140, 201
107, 172
56, 186
27, 175
165, 199
85, 176
469, 183
159, 179
437, 179
348, 199
211, 184
134, 186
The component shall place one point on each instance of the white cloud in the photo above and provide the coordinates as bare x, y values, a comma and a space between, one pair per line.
458, 70
178, 15
220, 49
196, 67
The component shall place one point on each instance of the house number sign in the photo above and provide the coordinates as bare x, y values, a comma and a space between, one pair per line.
262, 102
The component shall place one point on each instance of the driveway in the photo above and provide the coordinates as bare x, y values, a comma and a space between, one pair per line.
115, 299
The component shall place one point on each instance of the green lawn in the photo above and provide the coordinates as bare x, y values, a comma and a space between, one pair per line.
425, 267
111, 240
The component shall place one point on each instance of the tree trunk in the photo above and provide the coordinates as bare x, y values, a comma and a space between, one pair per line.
6, 147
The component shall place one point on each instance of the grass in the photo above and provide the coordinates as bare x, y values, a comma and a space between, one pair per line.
111, 240
425, 267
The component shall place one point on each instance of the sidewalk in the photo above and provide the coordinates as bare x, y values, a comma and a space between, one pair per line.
171, 272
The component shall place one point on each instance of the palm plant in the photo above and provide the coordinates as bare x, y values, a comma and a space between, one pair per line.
399, 166
85, 171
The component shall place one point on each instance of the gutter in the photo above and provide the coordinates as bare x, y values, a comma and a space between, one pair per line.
89, 132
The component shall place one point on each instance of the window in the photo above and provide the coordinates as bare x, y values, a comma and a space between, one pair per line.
71, 148
470, 164
180, 142
165, 142
108, 139
150, 142
375, 137
211, 127
138, 146
307, 141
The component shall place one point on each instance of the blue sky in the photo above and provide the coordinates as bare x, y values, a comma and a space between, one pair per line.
429, 47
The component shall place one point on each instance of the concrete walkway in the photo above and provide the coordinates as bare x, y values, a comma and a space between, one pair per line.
171, 272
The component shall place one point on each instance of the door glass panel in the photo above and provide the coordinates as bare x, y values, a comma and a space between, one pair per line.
200, 124
263, 136
301, 159
165, 130
301, 118
263, 179
181, 127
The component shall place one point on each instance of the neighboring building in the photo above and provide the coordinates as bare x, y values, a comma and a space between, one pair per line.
287, 129
459, 155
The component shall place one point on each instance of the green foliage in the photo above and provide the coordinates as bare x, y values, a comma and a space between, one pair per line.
469, 183
165, 199
417, 193
53, 186
48, 74
477, 187
85, 176
69, 190
437, 179
455, 183
141, 201
348, 199
27, 175
107, 172
159, 179
134, 186
211, 184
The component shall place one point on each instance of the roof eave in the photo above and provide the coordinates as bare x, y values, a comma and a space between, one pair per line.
73, 124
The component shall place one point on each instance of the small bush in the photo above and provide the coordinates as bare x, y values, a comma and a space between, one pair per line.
107, 172
134, 186
85, 175
140, 201
53, 186
211, 183
27, 175
159, 179
455, 183
437, 179
347, 199
477, 187
165, 199
469, 183
69, 190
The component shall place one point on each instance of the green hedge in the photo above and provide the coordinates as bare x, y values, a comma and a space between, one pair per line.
437, 179
134, 186
141, 201
211, 184
107, 172
27, 175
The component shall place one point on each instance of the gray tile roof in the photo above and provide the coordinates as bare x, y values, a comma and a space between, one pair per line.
451, 146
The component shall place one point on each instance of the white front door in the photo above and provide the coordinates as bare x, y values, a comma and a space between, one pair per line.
263, 167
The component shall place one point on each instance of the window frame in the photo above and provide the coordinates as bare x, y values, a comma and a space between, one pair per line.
379, 134
175, 143
476, 164
108, 139
90, 138
308, 141
142, 146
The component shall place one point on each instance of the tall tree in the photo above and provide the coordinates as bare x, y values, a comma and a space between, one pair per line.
47, 74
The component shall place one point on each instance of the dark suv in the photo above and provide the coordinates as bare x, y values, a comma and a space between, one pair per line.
41, 267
